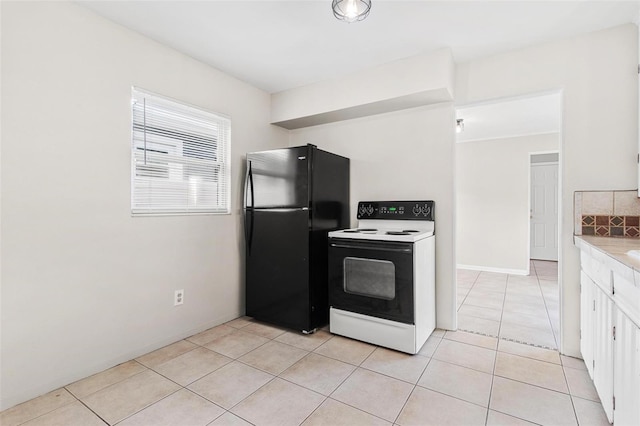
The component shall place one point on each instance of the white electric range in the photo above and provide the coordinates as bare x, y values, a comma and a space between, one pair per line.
382, 275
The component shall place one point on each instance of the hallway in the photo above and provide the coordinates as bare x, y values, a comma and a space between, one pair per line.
517, 308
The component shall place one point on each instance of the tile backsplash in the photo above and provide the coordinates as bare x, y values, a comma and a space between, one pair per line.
607, 213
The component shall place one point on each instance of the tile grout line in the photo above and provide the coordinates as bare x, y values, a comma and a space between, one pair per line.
468, 291
507, 378
147, 406
112, 384
484, 307
78, 399
337, 387
340, 384
493, 374
573, 406
96, 414
464, 366
232, 360
395, 421
304, 387
504, 300
326, 397
228, 410
544, 300
181, 387
50, 411
395, 378
568, 393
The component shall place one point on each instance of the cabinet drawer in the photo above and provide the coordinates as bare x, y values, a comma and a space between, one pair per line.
598, 271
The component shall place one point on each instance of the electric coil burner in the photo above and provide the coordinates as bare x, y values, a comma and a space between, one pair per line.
382, 275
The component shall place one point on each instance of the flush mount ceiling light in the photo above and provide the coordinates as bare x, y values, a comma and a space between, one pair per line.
351, 10
459, 125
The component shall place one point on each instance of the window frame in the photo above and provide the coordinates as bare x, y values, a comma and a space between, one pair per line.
175, 147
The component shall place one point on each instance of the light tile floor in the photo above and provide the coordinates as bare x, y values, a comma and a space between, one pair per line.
245, 372
512, 307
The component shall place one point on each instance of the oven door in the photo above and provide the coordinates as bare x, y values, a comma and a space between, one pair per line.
372, 278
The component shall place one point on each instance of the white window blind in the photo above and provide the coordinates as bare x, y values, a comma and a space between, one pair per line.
180, 158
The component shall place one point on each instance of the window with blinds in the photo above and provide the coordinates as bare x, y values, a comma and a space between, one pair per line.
180, 158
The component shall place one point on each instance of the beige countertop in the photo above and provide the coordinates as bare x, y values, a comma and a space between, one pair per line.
625, 280
614, 247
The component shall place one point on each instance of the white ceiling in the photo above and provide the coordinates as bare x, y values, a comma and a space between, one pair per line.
277, 45
510, 118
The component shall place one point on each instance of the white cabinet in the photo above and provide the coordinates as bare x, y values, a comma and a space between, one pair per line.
603, 349
627, 371
596, 332
586, 320
610, 334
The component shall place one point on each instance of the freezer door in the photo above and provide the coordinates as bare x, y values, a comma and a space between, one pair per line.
278, 178
329, 192
277, 261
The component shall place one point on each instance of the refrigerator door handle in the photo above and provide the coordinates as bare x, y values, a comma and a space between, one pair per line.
246, 184
251, 184
282, 209
247, 180
250, 238
368, 247
244, 204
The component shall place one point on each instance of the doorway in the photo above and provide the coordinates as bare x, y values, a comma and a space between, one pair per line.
505, 288
544, 223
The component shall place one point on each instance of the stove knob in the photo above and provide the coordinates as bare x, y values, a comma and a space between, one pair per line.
362, 210
426, 210
370, 210
417, 210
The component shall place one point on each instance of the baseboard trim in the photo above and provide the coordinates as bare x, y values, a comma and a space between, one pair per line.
97, 366
492, 269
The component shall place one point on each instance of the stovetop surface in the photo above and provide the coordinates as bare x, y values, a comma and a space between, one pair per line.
407, 221
389, 231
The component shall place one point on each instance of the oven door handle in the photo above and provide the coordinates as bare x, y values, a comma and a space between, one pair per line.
387, 249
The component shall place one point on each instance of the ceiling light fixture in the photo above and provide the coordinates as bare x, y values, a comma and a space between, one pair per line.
351, 10
459, 125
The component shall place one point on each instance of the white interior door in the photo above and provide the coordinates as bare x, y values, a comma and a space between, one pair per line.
544, 211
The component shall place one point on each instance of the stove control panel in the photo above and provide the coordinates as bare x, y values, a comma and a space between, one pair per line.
396, 210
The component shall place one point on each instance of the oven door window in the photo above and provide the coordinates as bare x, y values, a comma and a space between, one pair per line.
370, 277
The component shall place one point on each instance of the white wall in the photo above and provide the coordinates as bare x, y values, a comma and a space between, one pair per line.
403, 155
492, 201
597, 74
85, 285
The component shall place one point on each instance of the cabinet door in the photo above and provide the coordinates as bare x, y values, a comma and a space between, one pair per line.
603, 350
627, 371
586, 320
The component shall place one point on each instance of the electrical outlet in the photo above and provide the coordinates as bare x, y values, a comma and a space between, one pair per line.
178, 297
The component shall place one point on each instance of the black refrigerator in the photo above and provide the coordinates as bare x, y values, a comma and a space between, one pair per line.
293, 198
